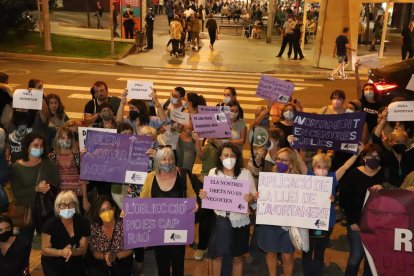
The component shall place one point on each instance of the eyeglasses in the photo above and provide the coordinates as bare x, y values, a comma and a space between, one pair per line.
373, 157
64, 205
160, 147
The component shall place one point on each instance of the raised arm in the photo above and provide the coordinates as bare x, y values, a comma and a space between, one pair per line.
342, 170
120, 112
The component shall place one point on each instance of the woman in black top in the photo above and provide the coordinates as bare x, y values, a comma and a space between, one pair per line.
65, 238
368, 95
286, 122
14, 250
167, 182
355, 185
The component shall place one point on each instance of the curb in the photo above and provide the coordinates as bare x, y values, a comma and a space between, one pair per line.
57, 58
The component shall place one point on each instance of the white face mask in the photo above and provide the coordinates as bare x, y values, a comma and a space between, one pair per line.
369, 95
233, 115
173, 100
226, 100
229, 163
288, 115
348, 110
320, 172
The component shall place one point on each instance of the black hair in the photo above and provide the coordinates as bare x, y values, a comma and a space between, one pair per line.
34, 83
122, 126
235, 103
180, 90
345, 29
6, 219
61, 108
96, 207
4, 78
239, 158
370, 148
27, 140
373, 87
338, 94
29, 120
106, 105
196, 99
143, 116
232, 90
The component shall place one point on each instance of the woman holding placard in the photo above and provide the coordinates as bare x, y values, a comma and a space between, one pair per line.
185, 147
274, 239
238, 125
167, 181
230, 236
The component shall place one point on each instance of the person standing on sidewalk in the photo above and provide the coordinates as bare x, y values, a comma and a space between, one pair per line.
378, 25
128, 16
176, 30
149, 27
211, 26
408, 41
287, 33
98, 14
297, 38
340, 50
115, 14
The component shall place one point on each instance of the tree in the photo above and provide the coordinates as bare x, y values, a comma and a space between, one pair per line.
14, 16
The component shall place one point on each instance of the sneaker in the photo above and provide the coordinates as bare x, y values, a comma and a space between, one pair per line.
331, 78
344, 77
211, 48
199, 255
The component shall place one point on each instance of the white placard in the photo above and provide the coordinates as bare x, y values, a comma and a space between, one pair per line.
294, 200
180, 117
369, 61
410, 84
28, 99
135, 177
139, 89
401, 111
175, 236
82, 131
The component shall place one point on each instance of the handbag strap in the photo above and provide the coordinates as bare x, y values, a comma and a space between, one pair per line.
112, 237
38, 174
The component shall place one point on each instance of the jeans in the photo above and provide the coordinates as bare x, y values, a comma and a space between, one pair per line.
312, 261
175, 43
356, 253
287, 39
186, 154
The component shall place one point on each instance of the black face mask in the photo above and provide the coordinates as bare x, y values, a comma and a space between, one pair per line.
20, 117
5, 235
399, 148
133, 115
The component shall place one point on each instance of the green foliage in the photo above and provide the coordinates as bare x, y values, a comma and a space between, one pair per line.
14, 16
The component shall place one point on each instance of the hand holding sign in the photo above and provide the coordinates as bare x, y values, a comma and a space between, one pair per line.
28, 99
140, 89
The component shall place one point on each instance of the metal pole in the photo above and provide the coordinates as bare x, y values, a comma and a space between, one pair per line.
46, 26
384, 29
39, 18
270, 20
111, 16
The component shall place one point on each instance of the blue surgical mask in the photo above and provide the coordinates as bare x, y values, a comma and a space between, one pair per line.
36, 152
166, 167
264, 122
64, 144
67, 213
281, 167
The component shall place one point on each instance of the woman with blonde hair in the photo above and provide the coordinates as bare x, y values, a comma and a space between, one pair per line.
408, 183
65, 238
274, 239
67, 158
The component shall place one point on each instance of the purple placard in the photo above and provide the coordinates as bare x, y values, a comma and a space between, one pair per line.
273, 89
202, 109
113, 157
158, 221
214, 125
333, 132
225, 194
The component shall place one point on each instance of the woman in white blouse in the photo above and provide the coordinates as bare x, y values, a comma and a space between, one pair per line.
230, 236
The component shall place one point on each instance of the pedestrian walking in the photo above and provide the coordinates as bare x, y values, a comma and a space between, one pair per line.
98, 14
408, 41
340, 50
149, 27
379, 23
297, 39
115, 14
128, 16
287, 33
211, 26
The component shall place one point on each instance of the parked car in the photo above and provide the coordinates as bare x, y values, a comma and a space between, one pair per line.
391, 80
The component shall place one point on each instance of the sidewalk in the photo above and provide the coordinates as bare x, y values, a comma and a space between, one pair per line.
232, 53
